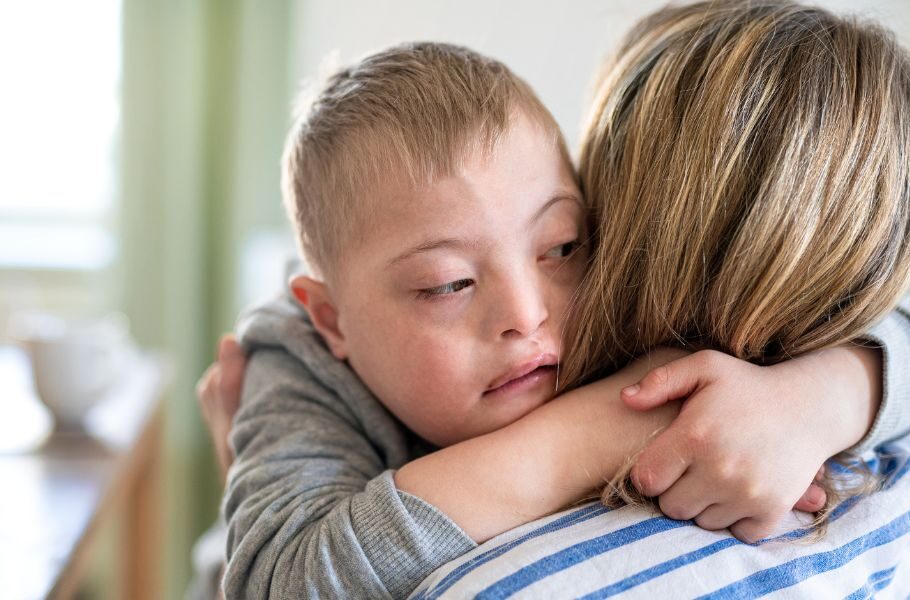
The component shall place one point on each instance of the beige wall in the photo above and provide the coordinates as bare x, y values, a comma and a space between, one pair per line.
555, 47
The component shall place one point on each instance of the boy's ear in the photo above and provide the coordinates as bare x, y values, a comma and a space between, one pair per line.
314, 296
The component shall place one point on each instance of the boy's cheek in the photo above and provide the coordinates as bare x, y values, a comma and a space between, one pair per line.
560, 310
438, 368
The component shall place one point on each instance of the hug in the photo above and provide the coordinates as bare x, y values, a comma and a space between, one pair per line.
699, 326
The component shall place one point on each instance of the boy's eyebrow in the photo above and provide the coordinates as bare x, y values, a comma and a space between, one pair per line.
460, 243
428, 246
554, 200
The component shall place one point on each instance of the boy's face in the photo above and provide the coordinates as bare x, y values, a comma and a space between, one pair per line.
451, 304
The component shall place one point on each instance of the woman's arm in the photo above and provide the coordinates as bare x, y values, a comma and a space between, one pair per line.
552, 457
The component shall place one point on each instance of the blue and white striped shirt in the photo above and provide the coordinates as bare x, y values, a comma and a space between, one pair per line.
592, 552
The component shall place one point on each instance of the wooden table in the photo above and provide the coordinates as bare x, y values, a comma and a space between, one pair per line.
54, 499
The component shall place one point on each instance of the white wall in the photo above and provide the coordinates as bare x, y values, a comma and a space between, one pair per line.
556, 47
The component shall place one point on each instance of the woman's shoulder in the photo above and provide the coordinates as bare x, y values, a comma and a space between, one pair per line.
594, 552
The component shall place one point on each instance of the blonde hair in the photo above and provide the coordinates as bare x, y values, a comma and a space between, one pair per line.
746, 165
412, 113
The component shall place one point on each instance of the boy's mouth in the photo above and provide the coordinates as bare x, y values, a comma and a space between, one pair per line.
526, 374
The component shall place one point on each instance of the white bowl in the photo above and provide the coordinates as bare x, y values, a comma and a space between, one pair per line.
74, 361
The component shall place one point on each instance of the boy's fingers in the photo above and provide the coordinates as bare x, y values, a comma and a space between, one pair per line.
672, 381
717, 516
813, 500
685, 499
753, 529
660, 464
228, 348
232, 360
205, 383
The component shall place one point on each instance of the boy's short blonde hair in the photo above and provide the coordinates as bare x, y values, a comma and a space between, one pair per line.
407, 115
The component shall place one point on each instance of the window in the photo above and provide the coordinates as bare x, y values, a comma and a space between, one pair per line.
60, 66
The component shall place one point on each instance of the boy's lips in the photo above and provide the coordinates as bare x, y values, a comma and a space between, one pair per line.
540, 361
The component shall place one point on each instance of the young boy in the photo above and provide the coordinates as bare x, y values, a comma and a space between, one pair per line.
439, 214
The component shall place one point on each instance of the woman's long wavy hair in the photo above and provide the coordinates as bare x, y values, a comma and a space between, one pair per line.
747, 169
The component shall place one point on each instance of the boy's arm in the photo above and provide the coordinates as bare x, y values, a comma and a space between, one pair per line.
892, 420
311, 507
556, 455
313, 512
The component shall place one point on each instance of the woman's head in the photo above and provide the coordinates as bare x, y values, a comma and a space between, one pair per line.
747, 166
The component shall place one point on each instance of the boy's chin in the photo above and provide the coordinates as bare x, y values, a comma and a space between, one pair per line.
494, 417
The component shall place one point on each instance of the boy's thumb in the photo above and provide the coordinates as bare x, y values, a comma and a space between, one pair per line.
672, 381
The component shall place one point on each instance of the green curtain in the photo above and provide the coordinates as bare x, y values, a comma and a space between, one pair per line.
206, 99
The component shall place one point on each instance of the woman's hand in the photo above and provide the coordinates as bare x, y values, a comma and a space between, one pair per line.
749, 439
218, 393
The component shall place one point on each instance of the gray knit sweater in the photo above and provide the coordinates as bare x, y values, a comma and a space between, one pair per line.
311, 505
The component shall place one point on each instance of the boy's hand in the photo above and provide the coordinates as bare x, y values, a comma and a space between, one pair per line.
218, 393
749, 440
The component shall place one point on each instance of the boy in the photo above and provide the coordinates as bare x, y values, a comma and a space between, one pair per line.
435, 202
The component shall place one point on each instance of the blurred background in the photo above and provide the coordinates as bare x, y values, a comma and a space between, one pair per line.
139, 165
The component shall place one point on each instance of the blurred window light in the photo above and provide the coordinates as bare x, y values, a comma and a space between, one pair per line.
65, 246
59, 117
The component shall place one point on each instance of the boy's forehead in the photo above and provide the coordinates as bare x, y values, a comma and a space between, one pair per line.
393, 201
388, 169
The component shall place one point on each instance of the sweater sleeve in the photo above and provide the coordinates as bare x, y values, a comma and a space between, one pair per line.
311, 505
892, 334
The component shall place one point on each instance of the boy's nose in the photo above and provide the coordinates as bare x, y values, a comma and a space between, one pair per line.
523, 311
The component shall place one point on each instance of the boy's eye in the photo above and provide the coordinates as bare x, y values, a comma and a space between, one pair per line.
446, 289
563, 250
